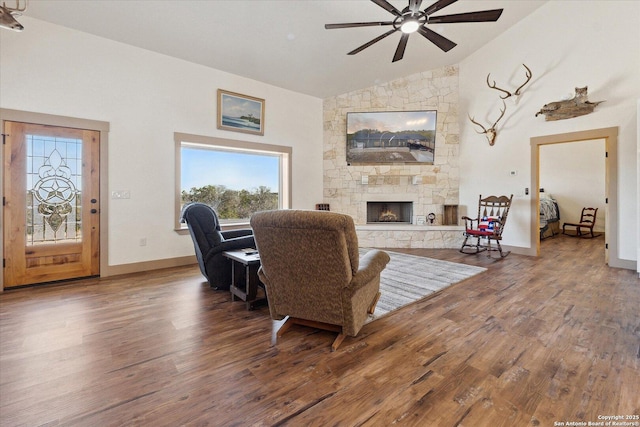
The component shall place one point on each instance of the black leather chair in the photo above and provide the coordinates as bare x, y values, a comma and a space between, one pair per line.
210, 242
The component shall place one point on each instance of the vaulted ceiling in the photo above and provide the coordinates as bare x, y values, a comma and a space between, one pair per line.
281, 42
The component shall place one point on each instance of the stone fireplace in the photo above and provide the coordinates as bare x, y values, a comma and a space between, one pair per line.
348, 187
389, 212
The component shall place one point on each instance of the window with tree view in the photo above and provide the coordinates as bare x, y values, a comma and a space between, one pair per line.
235, 178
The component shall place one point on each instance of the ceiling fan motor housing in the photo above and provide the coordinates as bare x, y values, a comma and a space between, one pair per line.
409, 22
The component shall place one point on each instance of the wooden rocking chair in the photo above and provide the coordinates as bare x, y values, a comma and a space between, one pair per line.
587, 221
488, 226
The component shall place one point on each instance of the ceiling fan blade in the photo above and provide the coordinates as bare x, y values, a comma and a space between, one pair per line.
440, 4
414, 5
357, 24
387, 6
481, 16
442, 42
376, 40
401, 47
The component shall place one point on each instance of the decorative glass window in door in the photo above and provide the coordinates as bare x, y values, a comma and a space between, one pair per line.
54, 185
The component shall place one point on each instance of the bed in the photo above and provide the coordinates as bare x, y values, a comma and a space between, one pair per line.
549, 216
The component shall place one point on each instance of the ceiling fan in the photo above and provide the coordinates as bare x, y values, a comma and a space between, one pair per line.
411, 19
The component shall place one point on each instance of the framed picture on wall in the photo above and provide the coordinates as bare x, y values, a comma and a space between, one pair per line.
240, 113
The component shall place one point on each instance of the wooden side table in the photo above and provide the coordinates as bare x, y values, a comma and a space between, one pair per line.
244, 277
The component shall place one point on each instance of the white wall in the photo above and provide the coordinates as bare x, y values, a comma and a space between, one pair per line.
573, 173
566, 44
146, 97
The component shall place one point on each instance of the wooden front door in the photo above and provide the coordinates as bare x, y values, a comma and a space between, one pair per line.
51, 203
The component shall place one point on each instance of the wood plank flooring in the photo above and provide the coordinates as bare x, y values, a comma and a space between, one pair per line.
530, 342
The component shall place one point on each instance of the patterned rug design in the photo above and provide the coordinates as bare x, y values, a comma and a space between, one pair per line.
408, 278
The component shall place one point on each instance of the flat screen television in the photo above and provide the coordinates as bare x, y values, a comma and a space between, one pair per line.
391, 137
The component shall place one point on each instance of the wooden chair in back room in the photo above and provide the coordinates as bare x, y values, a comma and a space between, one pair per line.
587, 221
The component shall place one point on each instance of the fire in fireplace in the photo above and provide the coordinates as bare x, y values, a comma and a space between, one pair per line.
396, 212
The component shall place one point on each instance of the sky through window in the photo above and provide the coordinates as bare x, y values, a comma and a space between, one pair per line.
236, 171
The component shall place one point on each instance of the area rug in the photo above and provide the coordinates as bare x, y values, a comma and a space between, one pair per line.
408, 278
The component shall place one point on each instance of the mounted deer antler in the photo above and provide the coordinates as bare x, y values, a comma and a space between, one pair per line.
7, 14
507, 93
491, 133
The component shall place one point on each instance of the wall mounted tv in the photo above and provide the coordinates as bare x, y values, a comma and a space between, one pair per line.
391, 137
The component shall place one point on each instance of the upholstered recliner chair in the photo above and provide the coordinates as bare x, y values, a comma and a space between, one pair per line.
313, 273
210, 242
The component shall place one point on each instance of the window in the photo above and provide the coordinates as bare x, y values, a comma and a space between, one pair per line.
236, 178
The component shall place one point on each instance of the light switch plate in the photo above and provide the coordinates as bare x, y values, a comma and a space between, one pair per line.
121, 194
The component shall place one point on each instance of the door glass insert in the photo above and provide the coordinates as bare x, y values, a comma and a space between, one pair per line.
54, 185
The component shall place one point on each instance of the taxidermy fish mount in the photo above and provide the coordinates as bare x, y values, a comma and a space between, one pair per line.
578, 106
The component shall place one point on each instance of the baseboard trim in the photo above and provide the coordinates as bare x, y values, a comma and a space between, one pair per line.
623, 263
520, 250
138, 267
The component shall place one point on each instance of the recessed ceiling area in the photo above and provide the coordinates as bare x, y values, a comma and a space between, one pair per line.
282, 43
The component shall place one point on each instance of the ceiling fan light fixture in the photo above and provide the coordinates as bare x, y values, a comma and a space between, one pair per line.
411, 19
410, 25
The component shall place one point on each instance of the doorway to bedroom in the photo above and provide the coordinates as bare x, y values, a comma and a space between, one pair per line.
572, 177
547, 148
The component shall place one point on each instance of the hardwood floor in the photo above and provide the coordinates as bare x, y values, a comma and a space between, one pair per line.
530, 342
